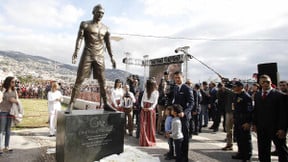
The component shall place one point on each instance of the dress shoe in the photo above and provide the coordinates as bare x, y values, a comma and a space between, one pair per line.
166, 154
170, 157
212, 127
107, 107
204, 126
169, 154
215, 130
237, 156
227, 148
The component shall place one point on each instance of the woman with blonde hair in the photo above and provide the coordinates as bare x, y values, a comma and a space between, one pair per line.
148, 114
54, 105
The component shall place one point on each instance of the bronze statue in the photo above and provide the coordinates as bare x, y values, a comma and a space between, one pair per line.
96, 36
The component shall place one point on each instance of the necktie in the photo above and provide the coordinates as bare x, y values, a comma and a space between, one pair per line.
264, 95
178, 89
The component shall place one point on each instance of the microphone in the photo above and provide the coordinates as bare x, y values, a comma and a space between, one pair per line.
181, 48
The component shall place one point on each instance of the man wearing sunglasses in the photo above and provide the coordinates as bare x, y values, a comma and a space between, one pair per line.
270, 121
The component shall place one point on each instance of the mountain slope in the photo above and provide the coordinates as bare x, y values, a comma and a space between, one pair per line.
21, 64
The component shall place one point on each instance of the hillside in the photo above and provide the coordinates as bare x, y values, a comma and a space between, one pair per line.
21, 64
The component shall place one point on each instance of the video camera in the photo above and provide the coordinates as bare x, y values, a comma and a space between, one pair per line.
227, 82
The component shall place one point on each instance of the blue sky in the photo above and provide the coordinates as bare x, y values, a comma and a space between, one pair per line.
231, 36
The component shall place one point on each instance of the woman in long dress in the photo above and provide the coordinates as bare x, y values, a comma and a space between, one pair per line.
148, 114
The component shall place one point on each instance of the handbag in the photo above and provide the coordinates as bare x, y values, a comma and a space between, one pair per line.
16, 112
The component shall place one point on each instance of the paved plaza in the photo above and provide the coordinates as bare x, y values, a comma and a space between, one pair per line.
34, 145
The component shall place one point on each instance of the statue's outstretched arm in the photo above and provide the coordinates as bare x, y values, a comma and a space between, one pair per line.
109, 50
78, 42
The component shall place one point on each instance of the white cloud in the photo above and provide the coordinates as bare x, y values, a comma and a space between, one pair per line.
140, 26
1, 19
45, 28
54, 46
14, 30
39, 27
167, 7
45, 14
244, 13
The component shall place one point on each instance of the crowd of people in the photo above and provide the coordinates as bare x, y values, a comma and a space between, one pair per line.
175, 108
241, 108
40, 89
178, 110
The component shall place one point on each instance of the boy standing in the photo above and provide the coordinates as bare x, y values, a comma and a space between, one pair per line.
176, 132
168, 123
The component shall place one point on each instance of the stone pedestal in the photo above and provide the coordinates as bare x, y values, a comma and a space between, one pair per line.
89, 135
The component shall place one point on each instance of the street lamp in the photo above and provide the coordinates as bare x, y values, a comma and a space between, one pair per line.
186, 58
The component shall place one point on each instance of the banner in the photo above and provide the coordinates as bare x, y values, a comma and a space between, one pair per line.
158, 71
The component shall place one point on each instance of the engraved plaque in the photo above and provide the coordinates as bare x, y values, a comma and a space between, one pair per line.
89, 135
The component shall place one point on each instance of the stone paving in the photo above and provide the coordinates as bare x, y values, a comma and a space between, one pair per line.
34, 145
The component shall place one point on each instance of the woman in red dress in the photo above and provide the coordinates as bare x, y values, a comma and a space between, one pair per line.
148, 114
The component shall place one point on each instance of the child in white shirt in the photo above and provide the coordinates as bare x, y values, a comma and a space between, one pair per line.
176, 132
168, 123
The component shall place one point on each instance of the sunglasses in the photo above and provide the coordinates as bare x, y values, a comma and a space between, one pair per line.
265, 81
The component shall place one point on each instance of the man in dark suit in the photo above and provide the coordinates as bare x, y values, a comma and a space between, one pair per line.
270, 121
204, 116
283, 87
183, 95
216, 115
